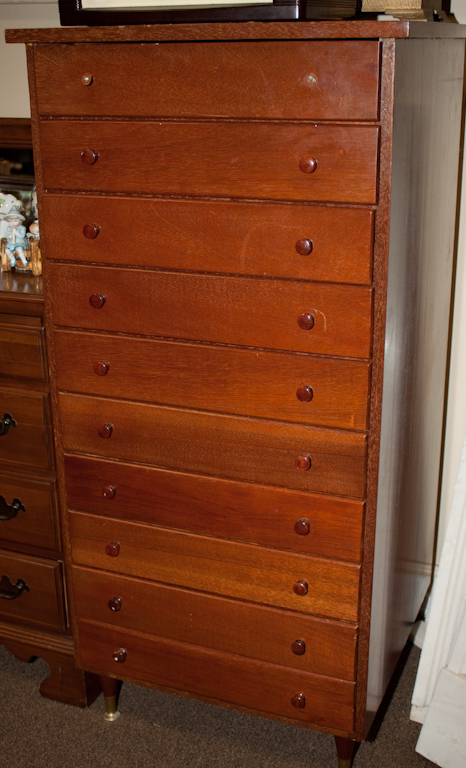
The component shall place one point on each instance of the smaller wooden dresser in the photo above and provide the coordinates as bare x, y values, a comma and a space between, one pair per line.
33, 616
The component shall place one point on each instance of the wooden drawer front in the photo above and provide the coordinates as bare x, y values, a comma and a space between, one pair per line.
218, 159
223, 677
22, 352
232, 510
244, 571
322, 79
239, 238
42, 602
238, 381
231, 310
224, 625
26, 443
34, 523
248, 449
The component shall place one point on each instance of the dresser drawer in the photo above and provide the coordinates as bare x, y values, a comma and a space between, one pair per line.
34, 523
40, 602
218, 159
222, 677
263, 239
26, 442
332, 461
266, 634
243, 571
326, 526
22, 352
302, 79
306, 389
231, 310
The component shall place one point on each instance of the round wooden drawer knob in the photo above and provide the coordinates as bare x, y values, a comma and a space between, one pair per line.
101, 368
119, 656
87, 79
305, 394
303, 462
105, 431
91, 231
113, 549
302, 527
109, 491
89, 156
97, 300
299, 701
298, 647
304, 246
301, 588
115, 605
306, 321
308, 164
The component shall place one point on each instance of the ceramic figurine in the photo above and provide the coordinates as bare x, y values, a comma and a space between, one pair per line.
33, 235
15, 243
7, 202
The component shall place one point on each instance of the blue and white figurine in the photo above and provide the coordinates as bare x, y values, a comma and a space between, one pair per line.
16, 242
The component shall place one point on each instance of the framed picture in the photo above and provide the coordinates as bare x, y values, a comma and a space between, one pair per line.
122, 12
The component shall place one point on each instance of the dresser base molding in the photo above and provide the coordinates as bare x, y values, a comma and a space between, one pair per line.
66, 682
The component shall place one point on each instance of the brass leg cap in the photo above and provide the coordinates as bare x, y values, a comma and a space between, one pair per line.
111, 712
344, 763
111, 716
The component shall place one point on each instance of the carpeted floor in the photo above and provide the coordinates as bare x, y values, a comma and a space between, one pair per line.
157, 730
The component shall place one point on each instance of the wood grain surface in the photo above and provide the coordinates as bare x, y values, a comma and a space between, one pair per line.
239, 448
212, 159
243, 571
211, 236
42, 605
23, 351
37, 524
28, 442
225, 677
331, 80
223, 508
225, 625
231, 310
237, 381
227, 31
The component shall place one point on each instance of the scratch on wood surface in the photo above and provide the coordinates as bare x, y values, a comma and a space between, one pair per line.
318, 312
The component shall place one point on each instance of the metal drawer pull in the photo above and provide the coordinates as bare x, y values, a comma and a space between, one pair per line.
9, 591
7, 422
9, 511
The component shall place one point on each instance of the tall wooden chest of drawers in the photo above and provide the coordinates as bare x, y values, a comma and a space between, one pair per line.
249, 232
33, 613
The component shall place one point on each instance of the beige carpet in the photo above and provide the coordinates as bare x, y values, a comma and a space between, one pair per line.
157, 730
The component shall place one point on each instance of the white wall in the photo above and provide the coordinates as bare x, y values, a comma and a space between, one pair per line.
456, 409
14, 95
14, 102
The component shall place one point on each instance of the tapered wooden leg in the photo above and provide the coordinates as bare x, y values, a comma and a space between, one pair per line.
344, 751
109, 687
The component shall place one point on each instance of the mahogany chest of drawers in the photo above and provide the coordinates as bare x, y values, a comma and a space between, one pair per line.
33, 614
249, 232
